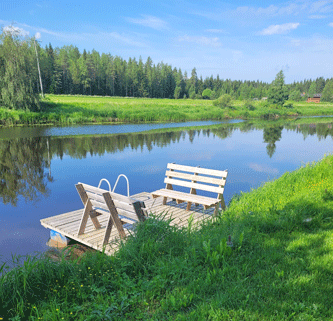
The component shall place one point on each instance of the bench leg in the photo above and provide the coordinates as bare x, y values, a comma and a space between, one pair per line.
93, 216
164, 200
107, 232
217, 208
222, 203
188, 207
84, 219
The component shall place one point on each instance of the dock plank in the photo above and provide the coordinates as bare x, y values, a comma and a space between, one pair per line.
68, 223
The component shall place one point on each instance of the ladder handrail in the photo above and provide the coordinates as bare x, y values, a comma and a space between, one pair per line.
128, 194
104, 179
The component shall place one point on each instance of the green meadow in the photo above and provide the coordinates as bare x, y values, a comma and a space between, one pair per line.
66, 110
279, 267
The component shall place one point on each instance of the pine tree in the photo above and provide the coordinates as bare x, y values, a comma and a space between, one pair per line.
327, 94
278, 92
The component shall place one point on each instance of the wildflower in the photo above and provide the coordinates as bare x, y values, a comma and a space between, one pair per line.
81, 285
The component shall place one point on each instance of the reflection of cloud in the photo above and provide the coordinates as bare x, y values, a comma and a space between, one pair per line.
190, 156
150, 21
263, 168
202, 41
331, 24
149, 169
279, 29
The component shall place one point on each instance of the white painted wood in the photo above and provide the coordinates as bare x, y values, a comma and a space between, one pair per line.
198, 178
187, 197
199, 170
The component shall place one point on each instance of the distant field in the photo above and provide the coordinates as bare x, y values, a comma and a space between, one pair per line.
59, 109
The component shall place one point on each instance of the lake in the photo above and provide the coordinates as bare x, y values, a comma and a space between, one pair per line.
39, 166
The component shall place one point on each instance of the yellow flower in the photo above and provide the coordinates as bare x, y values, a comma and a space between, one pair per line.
81, 285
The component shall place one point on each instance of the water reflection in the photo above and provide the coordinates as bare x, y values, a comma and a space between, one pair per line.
22, 168
271, 136
25, 163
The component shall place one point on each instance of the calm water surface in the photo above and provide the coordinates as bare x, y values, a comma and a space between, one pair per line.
40, 166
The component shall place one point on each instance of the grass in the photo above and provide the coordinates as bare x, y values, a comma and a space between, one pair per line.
280, 266
67, 110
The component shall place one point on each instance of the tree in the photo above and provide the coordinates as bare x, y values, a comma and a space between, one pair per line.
177, 92
327, 94
295, 95
312, 89
18, 71
278, 93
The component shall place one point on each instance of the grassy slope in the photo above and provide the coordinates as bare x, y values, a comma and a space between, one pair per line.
279, 268
90, 109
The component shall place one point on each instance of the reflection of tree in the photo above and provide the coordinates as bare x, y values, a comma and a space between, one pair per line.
24, 161
22, 167
271, 136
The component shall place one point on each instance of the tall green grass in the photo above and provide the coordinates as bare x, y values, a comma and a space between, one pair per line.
279, 267
67, 110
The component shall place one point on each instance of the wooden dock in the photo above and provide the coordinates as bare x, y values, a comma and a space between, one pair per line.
67, 224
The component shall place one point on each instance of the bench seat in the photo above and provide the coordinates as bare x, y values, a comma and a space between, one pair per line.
181, 197
194, 178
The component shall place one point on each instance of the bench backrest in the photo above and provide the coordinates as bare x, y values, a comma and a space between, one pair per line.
209, 180
126, 206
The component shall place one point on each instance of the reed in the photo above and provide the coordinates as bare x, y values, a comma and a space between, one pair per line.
279, 266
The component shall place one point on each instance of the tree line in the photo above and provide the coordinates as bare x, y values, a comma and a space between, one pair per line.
66, 70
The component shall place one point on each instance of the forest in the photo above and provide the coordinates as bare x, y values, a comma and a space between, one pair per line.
66, 70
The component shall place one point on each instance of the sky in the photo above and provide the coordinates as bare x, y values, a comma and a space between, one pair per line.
238, 40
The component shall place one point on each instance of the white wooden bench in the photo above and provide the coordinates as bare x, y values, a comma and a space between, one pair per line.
195, 178
121, 209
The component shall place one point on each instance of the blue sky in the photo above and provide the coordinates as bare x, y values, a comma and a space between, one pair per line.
239, 40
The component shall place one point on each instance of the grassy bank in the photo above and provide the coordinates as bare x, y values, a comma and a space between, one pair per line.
279, 267
68, 110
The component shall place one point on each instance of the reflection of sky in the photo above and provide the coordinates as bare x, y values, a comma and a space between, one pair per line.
38, 131
243, 154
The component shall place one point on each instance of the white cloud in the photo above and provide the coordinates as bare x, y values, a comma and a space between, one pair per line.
317, 16
316, 10
75, 36
216, 30
245, 11
151, 22
279, 29
321, 6
38, 35
203, 41
331, 24
16, 30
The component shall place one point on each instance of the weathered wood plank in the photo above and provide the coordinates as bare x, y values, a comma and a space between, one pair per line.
199, 170
199, 186
196, 177
114, 214
95, 238
185, 196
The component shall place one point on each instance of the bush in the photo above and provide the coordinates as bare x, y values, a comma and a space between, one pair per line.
207, 93
249, 105
224, 101
288, 105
